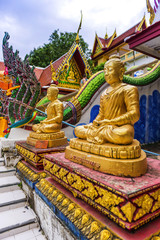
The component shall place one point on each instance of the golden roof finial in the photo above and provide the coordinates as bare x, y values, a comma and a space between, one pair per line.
111, 40
140, 26
106, 35
151, 11
80, 24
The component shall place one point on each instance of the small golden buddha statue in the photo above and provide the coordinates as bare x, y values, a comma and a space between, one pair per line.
119, 109
54, 113
49, 129
71, 77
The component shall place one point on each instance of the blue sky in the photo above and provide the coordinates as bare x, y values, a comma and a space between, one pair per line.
31, 22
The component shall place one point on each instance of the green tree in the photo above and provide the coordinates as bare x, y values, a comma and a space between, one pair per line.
98, 68
59, 44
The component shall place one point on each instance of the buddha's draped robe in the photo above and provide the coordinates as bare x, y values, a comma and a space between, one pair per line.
54, 118
121, 107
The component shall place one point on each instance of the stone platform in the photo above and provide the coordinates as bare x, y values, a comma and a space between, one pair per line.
35, 156
130, 202
83, 220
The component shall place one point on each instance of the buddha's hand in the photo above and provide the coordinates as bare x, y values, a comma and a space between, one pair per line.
41, 122
45, 121
96, 123
88, 125
101, 122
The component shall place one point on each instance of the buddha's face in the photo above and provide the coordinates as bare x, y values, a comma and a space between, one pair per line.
51, 94
112, 72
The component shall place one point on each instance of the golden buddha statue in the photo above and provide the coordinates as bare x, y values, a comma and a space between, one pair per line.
49, 129
54, 114
107, 144
119, 109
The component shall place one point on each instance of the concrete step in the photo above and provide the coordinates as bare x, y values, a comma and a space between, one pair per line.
7, 171
12, 199
16, 221
1, 161
33, 234
9, 184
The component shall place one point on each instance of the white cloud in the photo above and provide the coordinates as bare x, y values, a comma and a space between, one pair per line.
101, 15
31, 22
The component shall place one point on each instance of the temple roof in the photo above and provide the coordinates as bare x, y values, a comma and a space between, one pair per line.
81, 63
147, 41
102, 45
64, 60
46, 75
38, 72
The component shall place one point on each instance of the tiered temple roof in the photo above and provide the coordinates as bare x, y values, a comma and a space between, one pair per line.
105, 46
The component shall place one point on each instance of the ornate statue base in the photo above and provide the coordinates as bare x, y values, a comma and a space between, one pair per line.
47, 140
119, 160
85, 221
130, 202
29, 174
31, 168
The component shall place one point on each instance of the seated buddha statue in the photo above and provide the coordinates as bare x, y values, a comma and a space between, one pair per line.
54, 113
119, 109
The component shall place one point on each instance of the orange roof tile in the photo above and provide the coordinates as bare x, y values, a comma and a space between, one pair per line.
38, 71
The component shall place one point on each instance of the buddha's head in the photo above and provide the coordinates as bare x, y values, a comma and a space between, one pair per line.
114, 70
52, 92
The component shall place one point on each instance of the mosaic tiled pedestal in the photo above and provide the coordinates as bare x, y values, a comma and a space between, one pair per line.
31, 168
83, 220
29, 174
35, 156
130, 202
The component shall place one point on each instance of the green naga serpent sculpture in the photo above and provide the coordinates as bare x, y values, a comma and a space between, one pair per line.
72, 111
21, 104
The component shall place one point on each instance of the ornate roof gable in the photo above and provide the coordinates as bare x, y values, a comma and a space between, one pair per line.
111, 39
73, 67
97, 47
142, 25
104, 45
